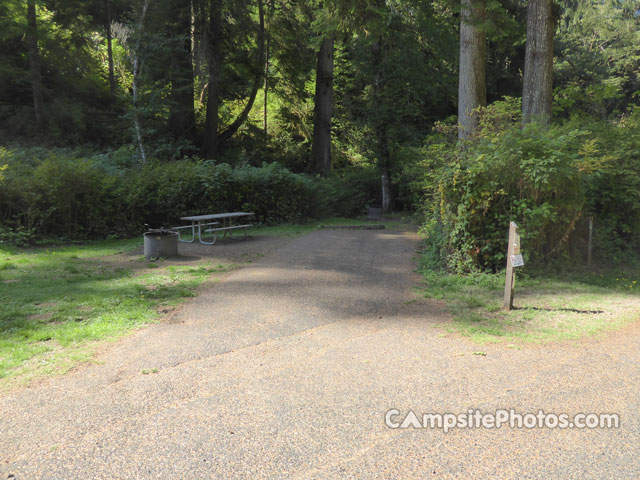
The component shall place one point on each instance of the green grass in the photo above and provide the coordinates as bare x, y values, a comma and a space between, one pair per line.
546, 308
56, 302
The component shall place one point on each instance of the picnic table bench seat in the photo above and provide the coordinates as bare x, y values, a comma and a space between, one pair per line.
191, 226
210, 224
231, 227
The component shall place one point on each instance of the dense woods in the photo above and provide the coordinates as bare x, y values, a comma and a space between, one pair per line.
469, 113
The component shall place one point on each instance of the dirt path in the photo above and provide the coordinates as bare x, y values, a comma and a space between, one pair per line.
286, 368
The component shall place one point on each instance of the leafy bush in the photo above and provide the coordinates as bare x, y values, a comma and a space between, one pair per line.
610, 159
546, 179
352, 188
59, 194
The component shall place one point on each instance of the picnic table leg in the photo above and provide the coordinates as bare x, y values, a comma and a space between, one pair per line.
193, 235
200, 236
226, 223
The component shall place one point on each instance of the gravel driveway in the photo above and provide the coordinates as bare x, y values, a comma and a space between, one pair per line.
285, 370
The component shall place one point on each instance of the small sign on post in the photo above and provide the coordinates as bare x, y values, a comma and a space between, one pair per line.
514, 259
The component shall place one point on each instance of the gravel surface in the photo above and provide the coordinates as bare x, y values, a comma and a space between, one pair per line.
285, 369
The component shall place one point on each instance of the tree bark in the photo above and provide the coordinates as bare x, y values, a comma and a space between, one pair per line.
112, 79
385, 167
321, 146
387, 199
34, 63
537, 91
211, 147
471, 83
182, 120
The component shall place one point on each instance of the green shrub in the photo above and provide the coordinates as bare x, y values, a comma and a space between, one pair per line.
350, 190
610, 158
60, 194
549, 180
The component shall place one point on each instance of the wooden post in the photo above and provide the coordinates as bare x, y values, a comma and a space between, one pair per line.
590, 242
510, 277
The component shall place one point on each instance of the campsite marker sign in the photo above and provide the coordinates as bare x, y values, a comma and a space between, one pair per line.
514, 260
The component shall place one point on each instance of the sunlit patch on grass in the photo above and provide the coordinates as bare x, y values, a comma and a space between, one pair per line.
56, 302
546, 309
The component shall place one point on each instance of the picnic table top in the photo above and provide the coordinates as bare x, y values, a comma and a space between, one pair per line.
216, 216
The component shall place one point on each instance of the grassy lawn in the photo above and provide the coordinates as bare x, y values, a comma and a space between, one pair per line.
546, 309
57, 302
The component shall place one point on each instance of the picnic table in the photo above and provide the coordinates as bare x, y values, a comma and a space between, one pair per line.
213, 223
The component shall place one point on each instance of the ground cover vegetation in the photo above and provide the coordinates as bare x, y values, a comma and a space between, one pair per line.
57, 302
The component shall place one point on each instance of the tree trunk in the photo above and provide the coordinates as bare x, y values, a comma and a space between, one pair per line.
134, 82
211, 147
266, 69
34, 63
200, 39
112, 79
382, 133
471, 84
182, 120
321, 146
537, 91
387, 199
266, 92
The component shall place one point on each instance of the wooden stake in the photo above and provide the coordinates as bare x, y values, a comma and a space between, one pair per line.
510, 277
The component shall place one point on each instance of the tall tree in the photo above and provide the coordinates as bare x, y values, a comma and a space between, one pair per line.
182, 121
267, 53
471, 81
292, 59
107, 26
537, 90
135, 77
323, 111
34, 63
244, 114
213, 139
381, 121
210, 146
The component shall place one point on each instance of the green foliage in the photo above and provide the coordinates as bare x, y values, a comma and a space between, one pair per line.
546, 179
610, 158
76, 95
395, 78
59, 195
79, 197
596, 70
